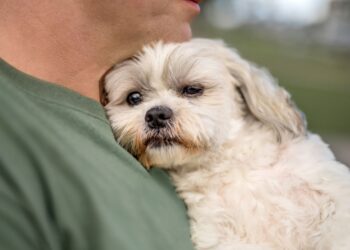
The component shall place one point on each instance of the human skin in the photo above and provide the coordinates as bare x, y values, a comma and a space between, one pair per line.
74, 42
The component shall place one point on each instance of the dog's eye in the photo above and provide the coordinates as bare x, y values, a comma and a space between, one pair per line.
134, 98
192, 91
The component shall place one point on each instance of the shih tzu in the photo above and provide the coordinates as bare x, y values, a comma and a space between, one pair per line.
235, 146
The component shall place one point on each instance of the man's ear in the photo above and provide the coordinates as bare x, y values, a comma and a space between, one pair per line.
266, 101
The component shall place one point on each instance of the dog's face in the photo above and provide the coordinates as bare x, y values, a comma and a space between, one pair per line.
172, 103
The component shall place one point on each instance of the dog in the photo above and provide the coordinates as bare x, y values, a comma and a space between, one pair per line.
235, 145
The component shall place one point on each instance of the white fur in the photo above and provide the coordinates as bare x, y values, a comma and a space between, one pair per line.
249, 173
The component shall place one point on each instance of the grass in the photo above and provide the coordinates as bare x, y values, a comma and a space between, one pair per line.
318, 78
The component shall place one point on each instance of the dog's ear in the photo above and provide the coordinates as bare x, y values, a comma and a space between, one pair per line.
268, 102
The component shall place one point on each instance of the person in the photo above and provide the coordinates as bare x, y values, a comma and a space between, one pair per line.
64, 181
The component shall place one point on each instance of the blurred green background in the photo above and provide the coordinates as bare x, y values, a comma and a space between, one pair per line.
310, 57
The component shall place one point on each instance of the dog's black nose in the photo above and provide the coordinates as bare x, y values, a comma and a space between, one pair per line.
157, 117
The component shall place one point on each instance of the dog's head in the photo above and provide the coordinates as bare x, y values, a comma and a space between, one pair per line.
173, 102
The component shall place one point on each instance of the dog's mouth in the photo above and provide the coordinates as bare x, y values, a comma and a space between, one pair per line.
164, 137
160, 141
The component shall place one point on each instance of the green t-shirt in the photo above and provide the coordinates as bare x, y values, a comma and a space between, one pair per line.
66, 184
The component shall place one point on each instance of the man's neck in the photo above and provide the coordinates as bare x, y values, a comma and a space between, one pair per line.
59, 50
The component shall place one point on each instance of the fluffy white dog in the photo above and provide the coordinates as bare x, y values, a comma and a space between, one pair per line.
235, 146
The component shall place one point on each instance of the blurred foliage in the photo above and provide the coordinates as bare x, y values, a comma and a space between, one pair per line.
317, 77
